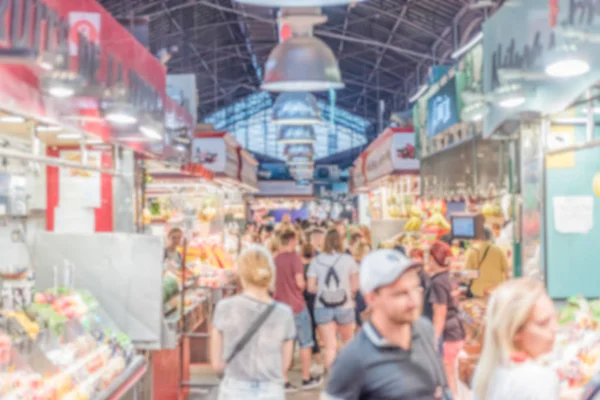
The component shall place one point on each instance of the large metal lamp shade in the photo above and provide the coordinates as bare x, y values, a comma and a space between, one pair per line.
302, 63
296, 108
297, 134
297, 3
300, 160
295, 150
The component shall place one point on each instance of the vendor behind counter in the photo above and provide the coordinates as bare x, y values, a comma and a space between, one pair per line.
490, 261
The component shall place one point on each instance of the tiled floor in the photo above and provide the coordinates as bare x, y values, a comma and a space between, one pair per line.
205, 375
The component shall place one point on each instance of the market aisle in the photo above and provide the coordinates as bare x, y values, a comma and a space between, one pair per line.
204, 376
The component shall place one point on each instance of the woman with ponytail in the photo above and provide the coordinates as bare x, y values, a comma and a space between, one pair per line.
253, 336
521, 326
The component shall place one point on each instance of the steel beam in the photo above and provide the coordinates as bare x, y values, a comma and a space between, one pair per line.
192, 46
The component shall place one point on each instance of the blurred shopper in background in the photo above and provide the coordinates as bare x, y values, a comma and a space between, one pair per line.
447, 326
317, 239
308, 254
360, 251
356, 238
252, 338
521, 326
490, 262
289, 289
393, 356
333, 277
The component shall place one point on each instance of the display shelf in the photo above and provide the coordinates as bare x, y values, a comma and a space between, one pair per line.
133, 374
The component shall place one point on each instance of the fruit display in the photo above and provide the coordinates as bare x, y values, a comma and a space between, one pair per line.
576, 355
492, 209
209, 252
414, 224
207, 210
77, 356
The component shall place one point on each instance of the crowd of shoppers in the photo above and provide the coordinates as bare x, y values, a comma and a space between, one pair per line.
308, 285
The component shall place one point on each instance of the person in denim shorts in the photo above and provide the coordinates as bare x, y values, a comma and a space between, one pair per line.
289, 289
333, 276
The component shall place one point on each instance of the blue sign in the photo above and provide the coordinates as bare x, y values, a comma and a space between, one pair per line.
442, 111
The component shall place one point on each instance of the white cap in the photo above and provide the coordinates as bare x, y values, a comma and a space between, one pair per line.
383, 267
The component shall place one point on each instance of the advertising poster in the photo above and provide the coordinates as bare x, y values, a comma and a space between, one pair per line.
77, 187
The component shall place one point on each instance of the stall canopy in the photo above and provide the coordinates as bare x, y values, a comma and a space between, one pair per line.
392, 153
220, 153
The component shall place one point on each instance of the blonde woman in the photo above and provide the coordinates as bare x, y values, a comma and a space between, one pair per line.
521, 326
253, 336
333, 276
273, 244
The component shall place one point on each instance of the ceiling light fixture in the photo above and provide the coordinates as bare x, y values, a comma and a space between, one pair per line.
297, 134
69, 136
49, 128
151, 132
510, 96
302, 63
61, 92
296, 108
12, 119
568, 68
475, 112
61, 84
121, 117
292, 150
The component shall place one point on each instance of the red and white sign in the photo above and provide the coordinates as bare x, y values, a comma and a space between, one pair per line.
86, 24
217, 152
392, 152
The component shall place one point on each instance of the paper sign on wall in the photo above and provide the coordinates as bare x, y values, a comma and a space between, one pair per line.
559, 137
573, 214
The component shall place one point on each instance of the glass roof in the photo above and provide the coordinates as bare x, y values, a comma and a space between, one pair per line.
249, 121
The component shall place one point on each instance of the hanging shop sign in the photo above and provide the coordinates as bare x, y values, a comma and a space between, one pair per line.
392, 152
542, 29
437, 114
442, 109
216, 151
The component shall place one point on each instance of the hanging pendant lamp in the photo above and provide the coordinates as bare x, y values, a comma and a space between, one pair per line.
297, 134
293, 150
300, 160
296, 108
302, 63
297, 3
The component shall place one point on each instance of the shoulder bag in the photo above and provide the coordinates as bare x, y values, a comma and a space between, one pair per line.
485, 253
258, 322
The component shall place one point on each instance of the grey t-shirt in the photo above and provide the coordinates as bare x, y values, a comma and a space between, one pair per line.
369, 368
261, 359
344, 266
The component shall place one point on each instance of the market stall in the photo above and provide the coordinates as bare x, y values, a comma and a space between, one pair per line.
389, 171
557, 153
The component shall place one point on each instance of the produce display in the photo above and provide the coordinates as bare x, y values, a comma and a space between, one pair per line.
576, 356
63, 346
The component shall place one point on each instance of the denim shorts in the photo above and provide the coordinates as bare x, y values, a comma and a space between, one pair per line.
304, 333
232, 389
342, 316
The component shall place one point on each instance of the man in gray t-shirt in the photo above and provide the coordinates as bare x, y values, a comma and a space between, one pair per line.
393, 357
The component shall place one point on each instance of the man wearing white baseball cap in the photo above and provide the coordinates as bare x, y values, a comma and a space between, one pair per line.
394, 356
